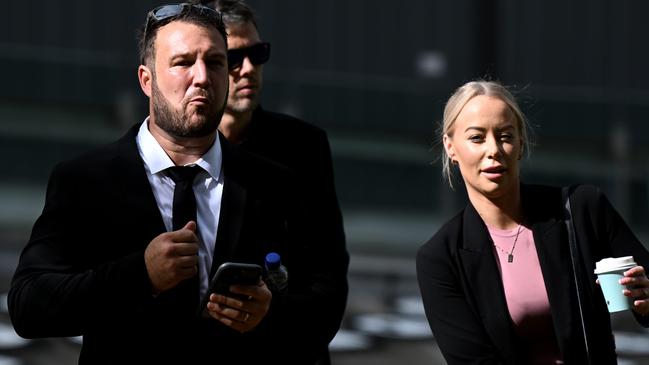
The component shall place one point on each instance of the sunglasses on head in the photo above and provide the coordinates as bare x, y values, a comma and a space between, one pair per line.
257, 54
163, 12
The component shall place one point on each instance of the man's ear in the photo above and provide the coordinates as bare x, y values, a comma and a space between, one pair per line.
145, 77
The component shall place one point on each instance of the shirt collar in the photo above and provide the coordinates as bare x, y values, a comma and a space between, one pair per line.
157, 159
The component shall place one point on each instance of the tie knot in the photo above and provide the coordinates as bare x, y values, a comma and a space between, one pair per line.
183, 174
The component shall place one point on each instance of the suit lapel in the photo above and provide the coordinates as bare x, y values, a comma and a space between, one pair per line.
233, 203
554, 257
555, 266
131, 181
485, 283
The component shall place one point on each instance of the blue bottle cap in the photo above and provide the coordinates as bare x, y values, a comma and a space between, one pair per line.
273, 260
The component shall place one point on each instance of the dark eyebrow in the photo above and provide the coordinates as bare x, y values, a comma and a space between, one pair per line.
209, 57
180, 55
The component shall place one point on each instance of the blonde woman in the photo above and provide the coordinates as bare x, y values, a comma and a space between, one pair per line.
496, 280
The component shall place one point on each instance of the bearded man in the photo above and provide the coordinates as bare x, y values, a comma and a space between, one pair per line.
132, 233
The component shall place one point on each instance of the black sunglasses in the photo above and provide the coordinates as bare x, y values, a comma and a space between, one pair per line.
257, 54
172, 10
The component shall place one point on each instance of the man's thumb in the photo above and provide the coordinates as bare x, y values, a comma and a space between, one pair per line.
191, 225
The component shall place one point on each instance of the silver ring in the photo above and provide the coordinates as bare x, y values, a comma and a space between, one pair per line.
246, 317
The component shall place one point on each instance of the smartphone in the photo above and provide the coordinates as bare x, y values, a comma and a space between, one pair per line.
231, 273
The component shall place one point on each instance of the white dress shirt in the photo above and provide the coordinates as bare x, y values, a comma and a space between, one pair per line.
208, 189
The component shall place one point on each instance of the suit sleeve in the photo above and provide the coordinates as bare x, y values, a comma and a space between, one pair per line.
612, 229
327, 253
455, 324
54, 291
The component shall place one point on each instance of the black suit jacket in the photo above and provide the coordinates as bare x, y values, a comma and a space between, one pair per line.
463, 292
83, 271
304, 149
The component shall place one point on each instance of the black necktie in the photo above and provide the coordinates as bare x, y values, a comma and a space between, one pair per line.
184, 210
184, 205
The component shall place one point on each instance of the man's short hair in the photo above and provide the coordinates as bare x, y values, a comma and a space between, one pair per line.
233, 11
191, 13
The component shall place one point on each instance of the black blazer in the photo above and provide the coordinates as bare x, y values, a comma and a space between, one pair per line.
83, 271
463, 293
304, 149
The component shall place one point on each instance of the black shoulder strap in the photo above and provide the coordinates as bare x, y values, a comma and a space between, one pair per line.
574, 259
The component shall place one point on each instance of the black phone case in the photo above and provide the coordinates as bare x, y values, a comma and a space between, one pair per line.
231, 273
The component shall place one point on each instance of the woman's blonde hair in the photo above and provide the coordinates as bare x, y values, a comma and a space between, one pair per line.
461, 97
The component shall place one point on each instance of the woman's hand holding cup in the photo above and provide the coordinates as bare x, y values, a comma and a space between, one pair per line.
637, 288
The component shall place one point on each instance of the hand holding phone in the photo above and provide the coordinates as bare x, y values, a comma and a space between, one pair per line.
231, 273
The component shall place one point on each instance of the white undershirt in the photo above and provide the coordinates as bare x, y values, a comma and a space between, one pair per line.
208, 189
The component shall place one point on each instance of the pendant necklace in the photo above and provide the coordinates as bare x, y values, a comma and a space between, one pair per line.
510, 254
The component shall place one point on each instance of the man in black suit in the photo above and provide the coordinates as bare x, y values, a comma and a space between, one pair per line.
291, 142
107, 258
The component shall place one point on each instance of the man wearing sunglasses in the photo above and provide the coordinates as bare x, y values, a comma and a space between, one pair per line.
110, 259
303, 148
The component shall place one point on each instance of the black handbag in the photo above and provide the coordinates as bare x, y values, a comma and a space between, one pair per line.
574, 259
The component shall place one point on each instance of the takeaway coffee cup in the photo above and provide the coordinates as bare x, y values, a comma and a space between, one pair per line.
609, 271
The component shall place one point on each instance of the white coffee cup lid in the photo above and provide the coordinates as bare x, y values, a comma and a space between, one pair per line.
614, 264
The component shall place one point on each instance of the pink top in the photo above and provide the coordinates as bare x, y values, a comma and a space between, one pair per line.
527, 299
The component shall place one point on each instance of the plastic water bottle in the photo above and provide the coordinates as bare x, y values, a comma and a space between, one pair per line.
277, 273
